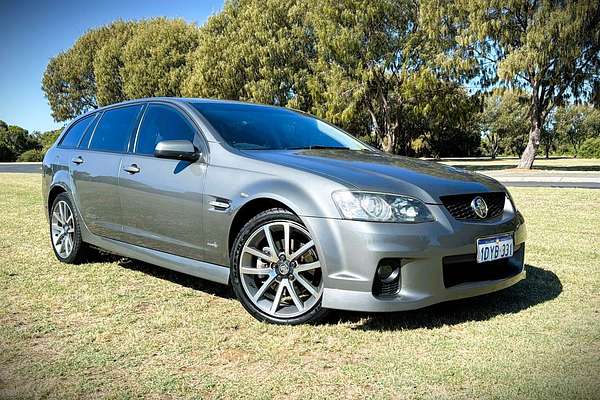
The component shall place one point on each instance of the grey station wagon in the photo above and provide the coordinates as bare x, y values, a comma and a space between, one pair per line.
297, 215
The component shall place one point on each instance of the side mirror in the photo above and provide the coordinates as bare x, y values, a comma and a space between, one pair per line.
177, 150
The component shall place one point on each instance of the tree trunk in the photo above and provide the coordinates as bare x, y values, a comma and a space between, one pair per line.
389, 141
528, 155
535, 133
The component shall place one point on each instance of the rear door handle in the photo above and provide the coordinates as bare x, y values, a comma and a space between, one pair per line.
132, 169
77, 160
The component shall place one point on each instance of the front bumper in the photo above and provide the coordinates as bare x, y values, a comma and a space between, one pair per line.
351, 250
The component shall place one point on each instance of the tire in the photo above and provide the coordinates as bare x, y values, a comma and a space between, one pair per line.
293, 277
65, 236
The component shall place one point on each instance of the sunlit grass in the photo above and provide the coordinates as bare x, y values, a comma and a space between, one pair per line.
118, 328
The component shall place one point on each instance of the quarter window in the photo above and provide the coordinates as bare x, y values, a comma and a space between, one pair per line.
114, 129
160, 123
73, 135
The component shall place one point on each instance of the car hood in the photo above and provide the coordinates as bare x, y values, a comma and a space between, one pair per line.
380, 172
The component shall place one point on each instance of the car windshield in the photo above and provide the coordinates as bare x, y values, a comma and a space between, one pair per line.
255, 127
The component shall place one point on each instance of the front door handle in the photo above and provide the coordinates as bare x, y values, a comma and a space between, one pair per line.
132, 169
77, 160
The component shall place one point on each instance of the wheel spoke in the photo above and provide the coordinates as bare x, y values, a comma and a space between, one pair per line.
260, 254
286, 239
68, 244
307, 267
269, 237
311, 289
57, 217
255, 271
264, 287
302, 250
60, 246
56, 229
297, 302
61, 208
277, 298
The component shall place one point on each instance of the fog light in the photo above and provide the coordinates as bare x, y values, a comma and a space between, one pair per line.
386, 282
388, 272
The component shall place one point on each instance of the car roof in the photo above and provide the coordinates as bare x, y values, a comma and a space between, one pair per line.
187, 100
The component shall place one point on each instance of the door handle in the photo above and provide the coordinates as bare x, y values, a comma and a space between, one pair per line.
132, 169
77, 160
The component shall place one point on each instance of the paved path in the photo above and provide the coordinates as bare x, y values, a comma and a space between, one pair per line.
544, 178
536, 178
32, 168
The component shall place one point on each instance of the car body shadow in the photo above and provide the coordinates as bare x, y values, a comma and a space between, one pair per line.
541, 285
155, 271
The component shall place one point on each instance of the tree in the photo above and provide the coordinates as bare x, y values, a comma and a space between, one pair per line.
69, 82
109, 63
439, 117
120, 61
155, 58
48, 138
365, 52
255, 51
15, 140
505, 121
549, 48
575, 123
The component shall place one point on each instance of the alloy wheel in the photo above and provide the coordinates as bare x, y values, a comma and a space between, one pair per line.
63, 229
280, 270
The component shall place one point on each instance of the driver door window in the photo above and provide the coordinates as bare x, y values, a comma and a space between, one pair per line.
161, 123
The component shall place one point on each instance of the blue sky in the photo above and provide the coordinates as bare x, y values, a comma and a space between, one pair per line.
34, 31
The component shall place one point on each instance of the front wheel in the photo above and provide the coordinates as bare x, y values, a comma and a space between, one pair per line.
275, 269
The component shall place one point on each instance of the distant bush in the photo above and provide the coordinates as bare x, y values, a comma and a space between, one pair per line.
590, 148
32, 155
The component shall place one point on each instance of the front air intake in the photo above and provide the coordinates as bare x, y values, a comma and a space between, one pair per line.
386, 282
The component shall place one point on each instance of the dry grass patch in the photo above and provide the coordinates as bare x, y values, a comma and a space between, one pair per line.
121, 328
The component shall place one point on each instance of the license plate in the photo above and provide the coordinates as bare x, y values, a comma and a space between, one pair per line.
494, 248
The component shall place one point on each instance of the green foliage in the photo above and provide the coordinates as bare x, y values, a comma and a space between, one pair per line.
120, 61
254, 51
32, 155
590, 148
155, 58
389, 71
575, 123
505, 123
48, 138
548, 48
15, 140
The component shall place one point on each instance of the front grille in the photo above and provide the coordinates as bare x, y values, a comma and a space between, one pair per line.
459, 205
464, 268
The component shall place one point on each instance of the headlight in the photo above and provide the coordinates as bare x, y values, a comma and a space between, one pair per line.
381, 207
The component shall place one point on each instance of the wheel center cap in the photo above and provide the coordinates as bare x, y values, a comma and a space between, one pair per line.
283, 267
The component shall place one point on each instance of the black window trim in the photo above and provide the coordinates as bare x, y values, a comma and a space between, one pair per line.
102, 112
181, 111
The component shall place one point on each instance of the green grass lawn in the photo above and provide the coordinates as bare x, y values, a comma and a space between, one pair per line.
123, 329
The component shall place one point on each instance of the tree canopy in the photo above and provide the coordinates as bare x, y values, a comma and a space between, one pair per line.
548, 48
406, 76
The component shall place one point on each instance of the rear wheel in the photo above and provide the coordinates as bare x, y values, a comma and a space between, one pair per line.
65, 231
276, 272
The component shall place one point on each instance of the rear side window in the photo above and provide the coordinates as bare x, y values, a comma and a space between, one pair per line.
160, 123
114, 128
73, 135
